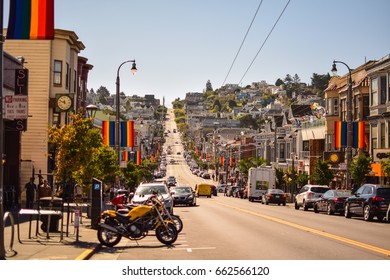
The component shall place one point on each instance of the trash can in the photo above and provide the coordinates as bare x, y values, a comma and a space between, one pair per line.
47, 203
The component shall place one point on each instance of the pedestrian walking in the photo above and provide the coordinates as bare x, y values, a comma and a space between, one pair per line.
31, 189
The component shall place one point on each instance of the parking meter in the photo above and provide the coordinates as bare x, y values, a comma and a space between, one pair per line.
96, 201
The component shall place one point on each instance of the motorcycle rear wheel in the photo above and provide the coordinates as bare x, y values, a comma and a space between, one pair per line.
167, 237
108, 238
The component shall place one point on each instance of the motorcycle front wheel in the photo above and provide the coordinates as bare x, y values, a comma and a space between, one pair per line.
165, 236
178, 222
108, 238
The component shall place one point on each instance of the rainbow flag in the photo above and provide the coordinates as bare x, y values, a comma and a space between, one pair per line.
31, 20
125, 156
127, 134
222, 161
137, 157
340, 134
358, 135
108, 132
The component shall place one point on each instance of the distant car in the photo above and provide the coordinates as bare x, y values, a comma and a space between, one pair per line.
172, 161
178, 153
171, 181
221, 188
332, 202
183, 195
308, 195
144, 191
368, 201
276, 196
206, 175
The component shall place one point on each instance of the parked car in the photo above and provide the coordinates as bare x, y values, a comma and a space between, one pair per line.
276, 196
221, 188
214, 190
368, 201
332, 202
183, 195
206, 175
308, 195
144, 191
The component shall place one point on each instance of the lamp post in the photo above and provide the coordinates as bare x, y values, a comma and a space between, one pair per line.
349, 121
117, 119
91, 110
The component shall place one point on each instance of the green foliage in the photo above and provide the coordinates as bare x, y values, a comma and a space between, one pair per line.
209, 87
248, 122
360, 167
320, 82
322, 175
80, 153
301, 179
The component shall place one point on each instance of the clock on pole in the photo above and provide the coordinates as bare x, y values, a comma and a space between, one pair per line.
64, 102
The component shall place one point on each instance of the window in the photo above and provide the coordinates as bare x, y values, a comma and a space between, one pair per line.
305, 145
67, 76
75, 81
374, 91
374, 137
336, 106
57, 79
388, 86
383, 135
281, 150
356, 108
329, 106
343, 116
366, 107
383, 89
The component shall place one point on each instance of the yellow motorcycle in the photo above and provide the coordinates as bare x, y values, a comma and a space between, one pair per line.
135, 224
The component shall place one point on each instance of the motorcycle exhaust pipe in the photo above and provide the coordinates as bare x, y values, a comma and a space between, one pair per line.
110, 228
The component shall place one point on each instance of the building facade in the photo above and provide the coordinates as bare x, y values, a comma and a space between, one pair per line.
56, 86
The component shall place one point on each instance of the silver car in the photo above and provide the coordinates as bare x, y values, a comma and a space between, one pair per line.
144, 191
308, 195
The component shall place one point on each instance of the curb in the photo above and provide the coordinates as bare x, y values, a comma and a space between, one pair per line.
89, 252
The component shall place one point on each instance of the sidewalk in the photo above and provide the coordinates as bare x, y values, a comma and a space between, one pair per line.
40, 248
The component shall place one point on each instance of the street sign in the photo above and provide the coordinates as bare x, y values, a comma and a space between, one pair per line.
16, 107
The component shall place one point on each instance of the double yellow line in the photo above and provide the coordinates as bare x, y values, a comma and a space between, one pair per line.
312, 230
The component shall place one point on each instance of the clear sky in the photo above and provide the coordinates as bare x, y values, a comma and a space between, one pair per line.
180, 44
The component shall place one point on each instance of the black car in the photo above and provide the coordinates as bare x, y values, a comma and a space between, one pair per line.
332, 202
368, 201
276, 196
183, 195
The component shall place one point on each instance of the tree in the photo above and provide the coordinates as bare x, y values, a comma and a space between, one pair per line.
322, 175
320, 82
209, 87
103, 94
80, 153
279, 82
360, 167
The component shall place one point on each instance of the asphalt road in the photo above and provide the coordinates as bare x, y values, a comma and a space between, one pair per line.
225, 228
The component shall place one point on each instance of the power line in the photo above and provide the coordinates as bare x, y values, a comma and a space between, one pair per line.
266, 39
242, 43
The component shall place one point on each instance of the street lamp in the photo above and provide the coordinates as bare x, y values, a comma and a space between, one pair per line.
117, 120
91, 110
349, 121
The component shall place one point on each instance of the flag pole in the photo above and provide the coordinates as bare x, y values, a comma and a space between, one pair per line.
2, 245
